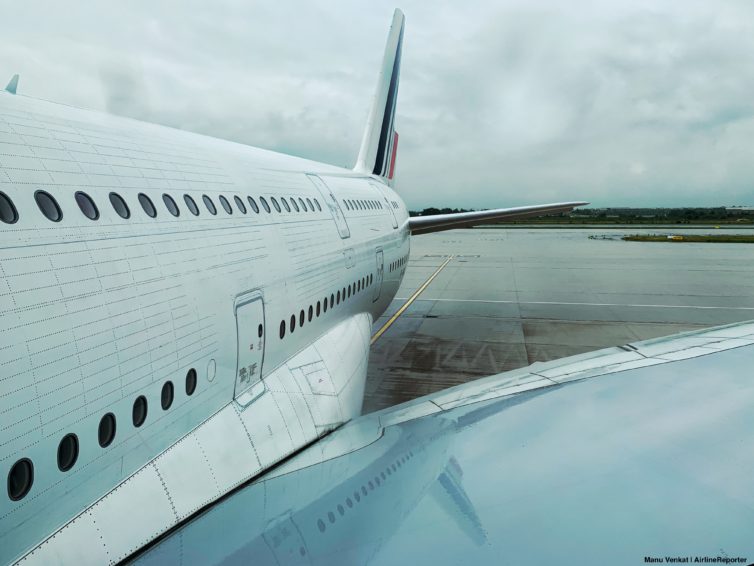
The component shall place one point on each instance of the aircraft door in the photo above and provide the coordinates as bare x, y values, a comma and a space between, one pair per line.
387, 203
332, 204
379, 275
250, 330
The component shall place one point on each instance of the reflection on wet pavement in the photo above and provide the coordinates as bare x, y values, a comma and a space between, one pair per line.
512, 297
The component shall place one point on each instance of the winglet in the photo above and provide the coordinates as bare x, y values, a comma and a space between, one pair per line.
379, 144
12, 84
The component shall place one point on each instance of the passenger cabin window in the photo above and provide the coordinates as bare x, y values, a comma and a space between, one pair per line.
240, 205
285, 204
309, 202
209, 204
146, 204
48, 205
190, 382
139, 412
253, 204
226, 204
8, 212
106, 430
319, 208
119, 205
87, 206
294, 205
20, 479
170, 205
302, 203
167, 395
68, 452
191, 205
264, 204
275, 204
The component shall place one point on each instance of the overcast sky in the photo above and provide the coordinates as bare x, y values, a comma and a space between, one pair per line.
506, 102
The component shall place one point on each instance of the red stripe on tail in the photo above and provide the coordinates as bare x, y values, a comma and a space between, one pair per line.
392, 157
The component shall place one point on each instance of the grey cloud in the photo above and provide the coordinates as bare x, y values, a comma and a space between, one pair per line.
501, 103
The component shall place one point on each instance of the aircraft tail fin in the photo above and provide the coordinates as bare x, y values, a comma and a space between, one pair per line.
12, 85
380, 142
449, 494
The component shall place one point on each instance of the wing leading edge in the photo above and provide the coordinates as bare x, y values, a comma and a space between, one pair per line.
439, 222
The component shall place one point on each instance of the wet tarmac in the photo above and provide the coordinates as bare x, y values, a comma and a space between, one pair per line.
513, 296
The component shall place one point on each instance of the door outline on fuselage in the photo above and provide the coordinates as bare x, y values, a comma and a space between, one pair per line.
380, 273
389, 206
249, 381
332, 204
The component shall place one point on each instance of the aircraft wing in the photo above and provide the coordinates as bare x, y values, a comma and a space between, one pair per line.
439, 222
614, 456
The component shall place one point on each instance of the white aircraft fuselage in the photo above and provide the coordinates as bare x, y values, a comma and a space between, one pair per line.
179, 313
270, 311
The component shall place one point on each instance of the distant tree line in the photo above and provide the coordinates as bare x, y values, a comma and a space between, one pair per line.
623, 215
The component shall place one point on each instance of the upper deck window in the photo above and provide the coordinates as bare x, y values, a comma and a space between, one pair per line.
8, 213
146, 204
48, 205
170, 205
87, 206
191, 205
226, 204
253, 204
119, 205
209, 204
239, 203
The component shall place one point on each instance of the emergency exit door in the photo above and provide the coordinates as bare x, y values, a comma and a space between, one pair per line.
331, 203
379, 273
250, 330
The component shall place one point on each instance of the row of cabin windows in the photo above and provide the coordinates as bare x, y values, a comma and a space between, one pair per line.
321, 307
363, 492
352, 204
21, 475
398, 263
51, 210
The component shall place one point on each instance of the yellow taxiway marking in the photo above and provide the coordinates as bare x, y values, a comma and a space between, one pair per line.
407, 304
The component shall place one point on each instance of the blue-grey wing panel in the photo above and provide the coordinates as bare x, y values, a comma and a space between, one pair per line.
652, 460
440, 222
